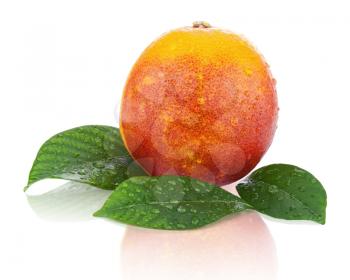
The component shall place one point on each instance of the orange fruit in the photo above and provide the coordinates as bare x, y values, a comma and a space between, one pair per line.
199, 102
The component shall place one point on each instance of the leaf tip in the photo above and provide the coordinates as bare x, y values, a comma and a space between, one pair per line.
322, 221
26, 188
98, 213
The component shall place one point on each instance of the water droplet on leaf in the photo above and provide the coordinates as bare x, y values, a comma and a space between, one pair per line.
195, 221
273, 189
181, 226
155, 211
81, 172
181, 209
98, 164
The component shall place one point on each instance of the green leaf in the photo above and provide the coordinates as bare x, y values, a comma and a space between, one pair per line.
169, 202
285, 191
92, 154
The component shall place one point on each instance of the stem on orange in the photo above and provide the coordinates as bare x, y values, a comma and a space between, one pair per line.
201, 24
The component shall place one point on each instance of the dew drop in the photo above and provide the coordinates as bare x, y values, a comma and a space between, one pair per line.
81, 172
98, 164
273, 189
111, 172
181, 209
201, 184
180, 226
239, 207
195, 221
270, 171
299, 171
182, 180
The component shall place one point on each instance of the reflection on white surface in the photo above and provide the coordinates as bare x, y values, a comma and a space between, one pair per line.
69, 202
239, 247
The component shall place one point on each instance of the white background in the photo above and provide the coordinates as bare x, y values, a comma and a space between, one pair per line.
64, 63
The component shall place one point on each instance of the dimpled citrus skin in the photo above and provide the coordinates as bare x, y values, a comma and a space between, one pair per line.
199, 102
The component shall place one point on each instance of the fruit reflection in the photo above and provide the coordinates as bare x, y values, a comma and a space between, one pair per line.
239, 247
